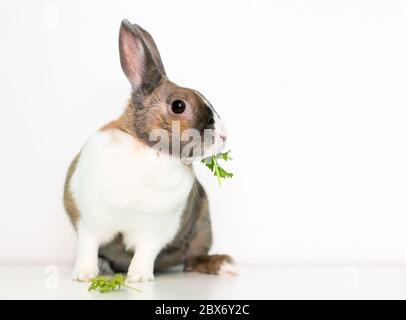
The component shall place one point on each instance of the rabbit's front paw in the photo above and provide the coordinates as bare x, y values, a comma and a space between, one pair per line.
85, 273
139, 276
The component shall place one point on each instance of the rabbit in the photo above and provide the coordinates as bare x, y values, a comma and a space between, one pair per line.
136, 208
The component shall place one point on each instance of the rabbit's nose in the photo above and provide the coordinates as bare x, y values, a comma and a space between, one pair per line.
223, 137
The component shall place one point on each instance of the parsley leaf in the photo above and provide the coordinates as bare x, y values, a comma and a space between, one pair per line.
212, 164
106, 284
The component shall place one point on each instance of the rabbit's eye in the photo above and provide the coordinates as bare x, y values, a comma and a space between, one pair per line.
178, 106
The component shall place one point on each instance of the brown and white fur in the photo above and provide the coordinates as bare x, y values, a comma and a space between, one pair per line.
138, 209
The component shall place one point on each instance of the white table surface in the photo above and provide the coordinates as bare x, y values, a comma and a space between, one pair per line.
290, 281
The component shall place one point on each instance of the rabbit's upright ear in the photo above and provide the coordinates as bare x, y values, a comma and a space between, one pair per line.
150, 43
141, 65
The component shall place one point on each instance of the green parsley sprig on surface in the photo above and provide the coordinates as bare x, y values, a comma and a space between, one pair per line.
213, 165
106, 284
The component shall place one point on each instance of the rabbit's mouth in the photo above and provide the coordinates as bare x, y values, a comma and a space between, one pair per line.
204, 149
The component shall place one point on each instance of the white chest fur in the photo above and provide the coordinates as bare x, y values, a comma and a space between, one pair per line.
121, 185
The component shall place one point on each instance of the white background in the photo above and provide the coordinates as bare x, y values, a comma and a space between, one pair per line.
313, 94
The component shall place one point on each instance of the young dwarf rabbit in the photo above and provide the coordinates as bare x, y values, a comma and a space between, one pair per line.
137, 209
